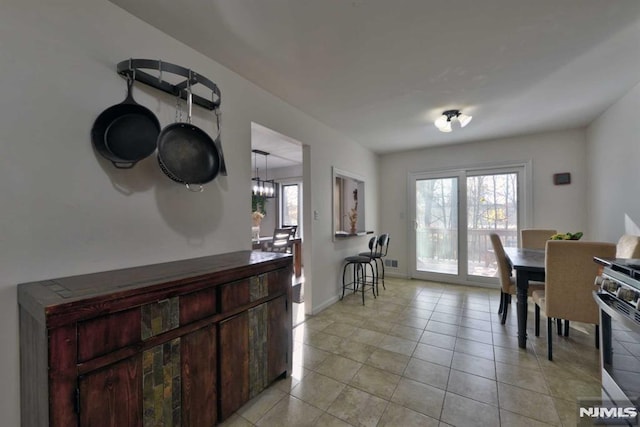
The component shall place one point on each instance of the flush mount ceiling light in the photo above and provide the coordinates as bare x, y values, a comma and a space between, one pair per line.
443, 123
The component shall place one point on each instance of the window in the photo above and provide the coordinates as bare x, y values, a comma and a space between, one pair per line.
291, 205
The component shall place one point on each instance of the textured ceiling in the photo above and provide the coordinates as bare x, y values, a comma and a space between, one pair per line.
380, 71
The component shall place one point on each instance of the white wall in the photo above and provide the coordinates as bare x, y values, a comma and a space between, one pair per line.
613, 142
67, 211
561, 207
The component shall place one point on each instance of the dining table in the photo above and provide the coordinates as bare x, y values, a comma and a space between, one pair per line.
529, 266
296, 249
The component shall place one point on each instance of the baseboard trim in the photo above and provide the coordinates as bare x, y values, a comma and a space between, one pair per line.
396, 274
328, 303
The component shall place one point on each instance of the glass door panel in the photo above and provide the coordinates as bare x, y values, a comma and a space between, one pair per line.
454, 212
290, 203
436, 210
492, 207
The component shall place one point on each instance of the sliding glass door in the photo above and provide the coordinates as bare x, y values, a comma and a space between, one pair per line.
454, 213
436, 230
492, 207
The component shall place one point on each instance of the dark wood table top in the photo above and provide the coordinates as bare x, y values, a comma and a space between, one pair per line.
526, 259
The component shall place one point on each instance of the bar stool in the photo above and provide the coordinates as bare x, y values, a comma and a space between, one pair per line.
359, 264
382, 247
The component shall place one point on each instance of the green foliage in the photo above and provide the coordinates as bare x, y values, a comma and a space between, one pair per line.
257, 203
567, 236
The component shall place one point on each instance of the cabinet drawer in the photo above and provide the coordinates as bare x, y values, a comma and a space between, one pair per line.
107, 333
278, 281
235, 294
241, 292
197, 305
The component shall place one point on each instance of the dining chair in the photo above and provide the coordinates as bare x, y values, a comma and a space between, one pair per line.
569, 276
507, 281
535, 238
281, 241
294, 229
628, 246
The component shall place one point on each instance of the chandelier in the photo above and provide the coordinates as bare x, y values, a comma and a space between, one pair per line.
262, 187
443, 123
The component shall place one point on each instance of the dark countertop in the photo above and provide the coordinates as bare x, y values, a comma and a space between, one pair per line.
343, 234
94, 287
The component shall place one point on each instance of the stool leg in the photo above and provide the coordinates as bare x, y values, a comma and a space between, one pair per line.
355, 277
344, 272
376, 277
382, 263
363, 279
374, 285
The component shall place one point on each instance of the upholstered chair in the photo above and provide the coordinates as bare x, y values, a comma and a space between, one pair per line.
569, 276
507, 281
535, 238
628, 246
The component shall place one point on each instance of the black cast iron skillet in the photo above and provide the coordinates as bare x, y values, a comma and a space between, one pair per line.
126, 133
186, 153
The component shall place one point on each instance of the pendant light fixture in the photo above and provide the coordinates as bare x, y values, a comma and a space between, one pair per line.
262, 187
443, 123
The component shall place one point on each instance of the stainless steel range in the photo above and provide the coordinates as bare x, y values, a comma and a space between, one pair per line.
620, 330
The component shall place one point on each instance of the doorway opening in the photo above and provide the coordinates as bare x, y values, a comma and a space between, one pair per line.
286, 207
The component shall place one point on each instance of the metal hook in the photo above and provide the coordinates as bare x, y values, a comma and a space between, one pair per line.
189, 99
132, 71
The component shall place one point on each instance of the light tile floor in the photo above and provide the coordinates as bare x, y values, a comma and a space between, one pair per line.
427, 354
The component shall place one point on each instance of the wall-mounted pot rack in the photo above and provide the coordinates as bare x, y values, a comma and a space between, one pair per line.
133, 68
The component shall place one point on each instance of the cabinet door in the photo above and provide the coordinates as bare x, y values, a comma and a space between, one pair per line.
278, 335
112, 396
199, 404
234, 363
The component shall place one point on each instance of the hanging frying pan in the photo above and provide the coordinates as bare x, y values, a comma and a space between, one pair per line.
126, 133
186, 154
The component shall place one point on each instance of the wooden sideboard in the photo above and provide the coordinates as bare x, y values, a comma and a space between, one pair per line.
183, 343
